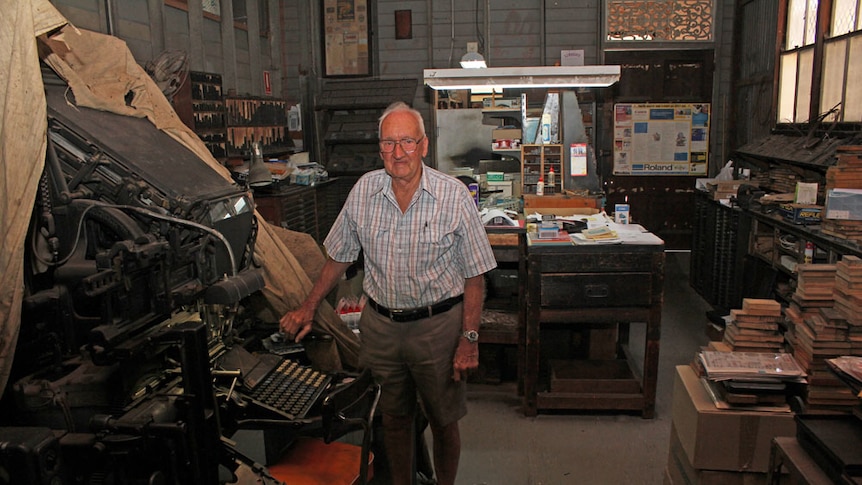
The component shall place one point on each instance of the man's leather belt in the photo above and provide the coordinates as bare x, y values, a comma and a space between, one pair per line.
412, 314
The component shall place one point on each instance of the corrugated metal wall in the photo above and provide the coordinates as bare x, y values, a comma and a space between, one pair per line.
755, 63
512, 33
151, 26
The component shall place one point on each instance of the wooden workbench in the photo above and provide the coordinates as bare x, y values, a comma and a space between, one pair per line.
588, 287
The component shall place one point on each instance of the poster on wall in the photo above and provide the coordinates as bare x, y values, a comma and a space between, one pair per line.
345, 37
661, 139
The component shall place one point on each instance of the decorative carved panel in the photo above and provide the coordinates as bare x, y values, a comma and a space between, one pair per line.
659, 20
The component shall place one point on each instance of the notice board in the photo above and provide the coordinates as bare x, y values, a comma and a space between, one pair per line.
345, 35
661, 139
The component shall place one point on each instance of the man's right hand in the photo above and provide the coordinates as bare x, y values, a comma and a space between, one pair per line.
296, 324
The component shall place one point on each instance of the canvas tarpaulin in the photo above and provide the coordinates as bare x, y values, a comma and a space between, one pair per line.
102, 74
22, 152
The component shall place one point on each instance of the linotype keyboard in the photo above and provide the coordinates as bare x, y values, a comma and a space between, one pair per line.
290, 389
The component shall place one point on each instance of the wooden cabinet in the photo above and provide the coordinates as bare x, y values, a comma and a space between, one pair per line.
537, 162
718, 250
311, 209
584, 288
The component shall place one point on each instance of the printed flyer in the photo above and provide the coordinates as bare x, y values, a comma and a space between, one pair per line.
661, 139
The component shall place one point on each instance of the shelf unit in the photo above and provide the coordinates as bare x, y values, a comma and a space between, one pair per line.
537, 162
346, 117
507, 135
718, 247
253, 119
781, 245
311, 209
209, 111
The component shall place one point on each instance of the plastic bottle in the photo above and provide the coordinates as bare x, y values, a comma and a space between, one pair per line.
551, 180
540, 187
546, 128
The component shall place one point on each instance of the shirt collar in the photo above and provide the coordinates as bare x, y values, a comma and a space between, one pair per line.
425, 185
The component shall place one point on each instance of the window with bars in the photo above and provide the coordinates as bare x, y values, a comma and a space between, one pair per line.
839, 61
659, 20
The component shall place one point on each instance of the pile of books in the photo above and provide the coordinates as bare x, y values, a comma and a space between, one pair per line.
755, 327
823, 320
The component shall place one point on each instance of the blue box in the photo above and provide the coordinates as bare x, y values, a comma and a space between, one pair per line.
549, 230
802, 213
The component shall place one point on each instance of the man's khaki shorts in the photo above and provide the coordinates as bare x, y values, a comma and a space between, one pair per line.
415, 358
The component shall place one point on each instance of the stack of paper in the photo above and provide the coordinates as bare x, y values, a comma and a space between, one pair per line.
600, 232
746, 380
729, 365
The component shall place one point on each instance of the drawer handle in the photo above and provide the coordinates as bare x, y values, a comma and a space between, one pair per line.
596, 291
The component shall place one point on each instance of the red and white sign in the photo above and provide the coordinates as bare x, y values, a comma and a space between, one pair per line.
267, 84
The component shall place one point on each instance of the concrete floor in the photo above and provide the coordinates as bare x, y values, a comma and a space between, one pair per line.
500, 446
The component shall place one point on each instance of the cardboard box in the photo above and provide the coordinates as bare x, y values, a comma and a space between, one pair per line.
501, 189
680, 472
715, 439
506, 134
495, 177
725, 187
801, 213
560, 205
844, 204
506, 144
621, 213
501, 103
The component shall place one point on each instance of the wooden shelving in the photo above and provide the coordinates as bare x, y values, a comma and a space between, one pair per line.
253, 119
536, 163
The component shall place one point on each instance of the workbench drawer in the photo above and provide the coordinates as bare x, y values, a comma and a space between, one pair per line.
597, 262
573, 290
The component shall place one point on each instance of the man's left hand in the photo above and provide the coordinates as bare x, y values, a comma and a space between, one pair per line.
466, 358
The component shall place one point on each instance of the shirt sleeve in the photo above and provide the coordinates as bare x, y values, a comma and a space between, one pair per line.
477, 255
342, 242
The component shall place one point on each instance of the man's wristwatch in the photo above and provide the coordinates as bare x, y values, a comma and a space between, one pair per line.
472, 336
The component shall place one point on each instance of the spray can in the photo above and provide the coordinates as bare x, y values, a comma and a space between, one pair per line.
809, 252
473, 187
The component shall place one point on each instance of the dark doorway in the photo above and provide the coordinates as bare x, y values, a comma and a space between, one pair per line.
661, 203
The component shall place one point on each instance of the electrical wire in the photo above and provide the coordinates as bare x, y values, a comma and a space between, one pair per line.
479, 36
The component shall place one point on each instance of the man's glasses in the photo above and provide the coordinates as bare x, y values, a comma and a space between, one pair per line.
409, 145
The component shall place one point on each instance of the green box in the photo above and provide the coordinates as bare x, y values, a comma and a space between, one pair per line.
494, 177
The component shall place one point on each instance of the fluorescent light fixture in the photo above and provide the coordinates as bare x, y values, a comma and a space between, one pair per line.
487, 90
523, 77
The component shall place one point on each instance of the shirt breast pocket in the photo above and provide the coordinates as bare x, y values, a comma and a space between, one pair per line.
374, 239
435, 238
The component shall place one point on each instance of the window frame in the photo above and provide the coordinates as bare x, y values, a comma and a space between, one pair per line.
822, 94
